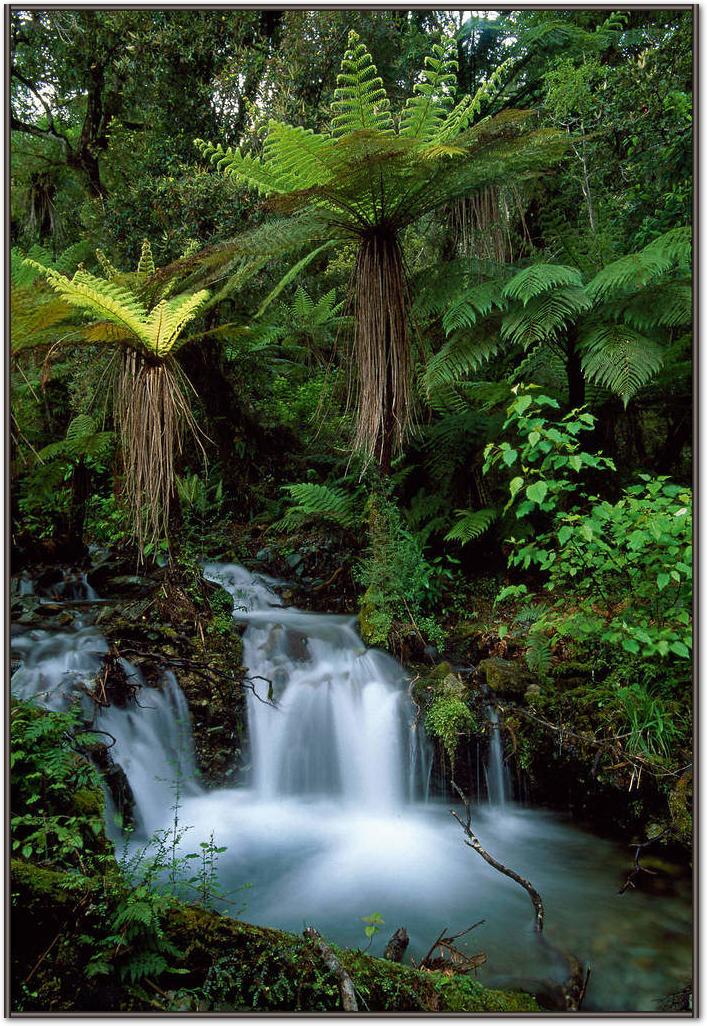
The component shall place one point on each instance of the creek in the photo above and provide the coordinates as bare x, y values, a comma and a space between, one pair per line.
334, 820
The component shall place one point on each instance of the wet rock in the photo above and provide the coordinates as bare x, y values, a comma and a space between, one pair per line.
504, 677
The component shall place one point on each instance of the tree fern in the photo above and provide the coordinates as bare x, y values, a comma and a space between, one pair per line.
637, 270
150, 405
539, 278
619, 358
471, 524
365, 182
544, 316
82, 439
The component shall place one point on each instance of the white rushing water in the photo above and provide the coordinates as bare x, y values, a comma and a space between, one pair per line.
331, 821
327, 717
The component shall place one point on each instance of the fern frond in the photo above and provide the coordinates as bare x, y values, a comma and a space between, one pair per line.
635, 271
473, 303
669, 305
317, 502
265, 178
544, 316
146, 263
469, 107
96, 296
426, 110
461, 353
538, 278
471, 524
299, 154
167, 320
360, 100
620, 359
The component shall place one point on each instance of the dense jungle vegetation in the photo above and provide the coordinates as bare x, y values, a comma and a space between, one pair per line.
396, 306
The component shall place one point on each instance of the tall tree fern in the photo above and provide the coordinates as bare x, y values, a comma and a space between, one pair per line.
135, 316
370, 177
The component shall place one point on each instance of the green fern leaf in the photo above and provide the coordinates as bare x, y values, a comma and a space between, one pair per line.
318, 502
426, 110
471, 525
360, 100
620, 359
539, 278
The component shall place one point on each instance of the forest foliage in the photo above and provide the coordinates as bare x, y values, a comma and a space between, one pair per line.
427, 287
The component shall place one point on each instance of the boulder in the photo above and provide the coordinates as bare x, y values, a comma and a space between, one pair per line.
504, 677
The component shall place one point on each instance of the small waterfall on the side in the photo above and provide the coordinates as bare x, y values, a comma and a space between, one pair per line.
327, 715
149, 736
498, 782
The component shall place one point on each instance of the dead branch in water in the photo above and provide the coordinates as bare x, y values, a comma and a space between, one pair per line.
474, 842
637, 867
346, 987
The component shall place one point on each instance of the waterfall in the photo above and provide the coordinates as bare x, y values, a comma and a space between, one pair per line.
497, 775
149, 736
327, 716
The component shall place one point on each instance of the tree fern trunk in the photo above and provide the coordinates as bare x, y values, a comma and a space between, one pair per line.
382, 355
575, 375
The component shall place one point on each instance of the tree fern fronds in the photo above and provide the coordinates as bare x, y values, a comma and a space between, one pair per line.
298, 154
360, 100
544, 316
290, 276
642, 268
259, 175
109, 271
426, 110
670, 306
461, 353
619, 358
478, 301
96, 296
469, 107
165, 321
318, 502
82, 439
539, 278
471, 524
146, 263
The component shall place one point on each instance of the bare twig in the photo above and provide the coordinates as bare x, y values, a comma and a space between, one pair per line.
473, 842
346, 987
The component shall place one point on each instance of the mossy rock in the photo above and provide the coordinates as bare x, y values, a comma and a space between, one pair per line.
89, 801
232, 966
505, 678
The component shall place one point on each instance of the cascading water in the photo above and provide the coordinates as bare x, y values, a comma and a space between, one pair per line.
330, 824
496, 771
150, 733
342, 723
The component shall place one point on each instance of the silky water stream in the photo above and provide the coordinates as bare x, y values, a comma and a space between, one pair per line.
335, 822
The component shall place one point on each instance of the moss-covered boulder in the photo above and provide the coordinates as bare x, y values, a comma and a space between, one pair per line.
506, 678
225, 965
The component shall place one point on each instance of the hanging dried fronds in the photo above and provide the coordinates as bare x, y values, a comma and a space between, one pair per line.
382, 357
152, 415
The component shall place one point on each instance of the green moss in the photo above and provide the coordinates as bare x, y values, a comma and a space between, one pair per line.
447, 719
231, 965
89, 801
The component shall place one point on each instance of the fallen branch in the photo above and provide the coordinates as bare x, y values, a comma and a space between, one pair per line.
475, 843
346, 987
325, 584
637, 867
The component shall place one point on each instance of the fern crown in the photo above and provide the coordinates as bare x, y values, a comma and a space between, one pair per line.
368, 170
119, 306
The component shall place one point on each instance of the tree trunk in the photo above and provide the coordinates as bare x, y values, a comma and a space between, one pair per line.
575, 376
382, 357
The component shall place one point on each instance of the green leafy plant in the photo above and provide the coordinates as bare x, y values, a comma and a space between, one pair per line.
366, 181
132, 313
